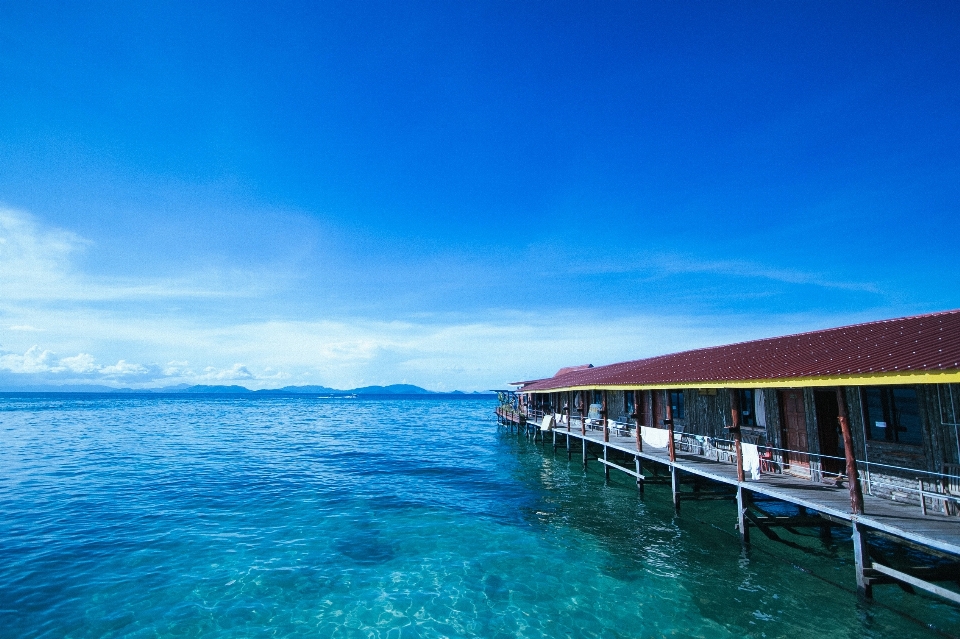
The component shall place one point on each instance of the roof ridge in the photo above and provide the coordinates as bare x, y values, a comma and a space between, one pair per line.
819, 331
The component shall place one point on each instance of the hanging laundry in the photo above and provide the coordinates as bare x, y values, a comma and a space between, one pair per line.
751, 460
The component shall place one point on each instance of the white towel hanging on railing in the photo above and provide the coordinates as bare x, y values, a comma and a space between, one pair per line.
751, 460
656, 437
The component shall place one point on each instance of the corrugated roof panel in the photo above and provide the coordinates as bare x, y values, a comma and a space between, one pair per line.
920, 343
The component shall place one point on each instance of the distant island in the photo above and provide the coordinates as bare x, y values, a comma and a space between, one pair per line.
392, 389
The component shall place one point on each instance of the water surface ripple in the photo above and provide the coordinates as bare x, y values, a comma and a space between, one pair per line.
155, 516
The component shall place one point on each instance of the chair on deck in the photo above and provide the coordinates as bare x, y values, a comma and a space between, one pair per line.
593, 417
547, 423
618, 428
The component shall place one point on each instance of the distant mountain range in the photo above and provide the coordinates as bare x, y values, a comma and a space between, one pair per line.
393, 389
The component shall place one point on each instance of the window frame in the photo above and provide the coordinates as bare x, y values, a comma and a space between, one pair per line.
887, 399
679, 408
747, 407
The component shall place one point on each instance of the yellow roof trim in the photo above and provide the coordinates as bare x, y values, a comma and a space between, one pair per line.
871, 379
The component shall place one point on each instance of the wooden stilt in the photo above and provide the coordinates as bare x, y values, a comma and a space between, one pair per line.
856, 494
826, 534
554, 431
861, 558
583, 443
742, 524
603, 421
606, 467
569, 452
668, 424
675, 488
639, 469
583, 413
735, 430
637, 419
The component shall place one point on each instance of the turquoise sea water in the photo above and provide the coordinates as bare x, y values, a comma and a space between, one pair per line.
156, 516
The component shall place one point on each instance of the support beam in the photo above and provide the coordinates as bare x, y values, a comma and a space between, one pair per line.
742, 524
639, 468
583, 413
606, 464
668, 424
603, 417
623, 469
637, 419
735, 430
675, 488
583, 445
917, 583
861, 558
856, 493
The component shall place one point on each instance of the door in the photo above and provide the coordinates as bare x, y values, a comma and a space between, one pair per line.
794, 424
656, 396
828, 425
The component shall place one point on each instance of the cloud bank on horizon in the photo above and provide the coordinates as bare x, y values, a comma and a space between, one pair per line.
457, 197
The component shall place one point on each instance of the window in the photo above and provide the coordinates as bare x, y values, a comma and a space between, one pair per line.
892, 414
676, 404
628, 403
748, 416
597, 397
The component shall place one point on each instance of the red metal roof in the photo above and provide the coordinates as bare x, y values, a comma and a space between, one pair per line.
909, 344
570, 369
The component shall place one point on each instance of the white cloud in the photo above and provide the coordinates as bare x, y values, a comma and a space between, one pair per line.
26, 328
34, 360
123, 368
141, 323
235, 372
662, 264
344, 354
81, 363
37, 264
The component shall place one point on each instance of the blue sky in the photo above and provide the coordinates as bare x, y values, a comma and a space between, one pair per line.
457, 195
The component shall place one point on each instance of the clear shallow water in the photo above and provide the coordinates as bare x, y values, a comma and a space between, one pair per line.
245, 517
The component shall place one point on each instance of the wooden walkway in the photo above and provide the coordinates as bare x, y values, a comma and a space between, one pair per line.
818, 504
894, 518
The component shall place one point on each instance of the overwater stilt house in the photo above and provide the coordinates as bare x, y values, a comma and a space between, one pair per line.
855, 425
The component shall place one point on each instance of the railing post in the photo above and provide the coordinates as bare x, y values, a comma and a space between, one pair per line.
603, 418
636, 414
672, 450
583, 426
583, 414
735, 429
856, 493
668, 422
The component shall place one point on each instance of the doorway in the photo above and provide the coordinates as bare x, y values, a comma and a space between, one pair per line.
828, 425
794, 430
